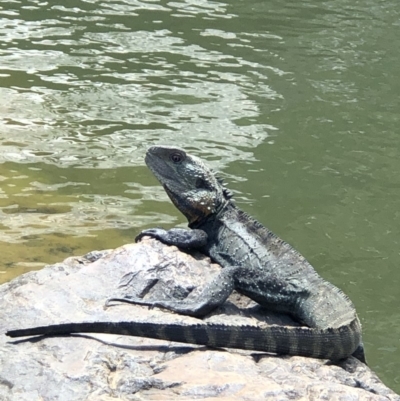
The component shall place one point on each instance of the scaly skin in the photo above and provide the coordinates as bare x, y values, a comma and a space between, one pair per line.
255, 263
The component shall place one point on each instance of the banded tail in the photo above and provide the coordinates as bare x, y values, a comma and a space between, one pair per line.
311, 342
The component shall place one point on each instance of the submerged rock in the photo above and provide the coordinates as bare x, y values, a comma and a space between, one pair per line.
111, 367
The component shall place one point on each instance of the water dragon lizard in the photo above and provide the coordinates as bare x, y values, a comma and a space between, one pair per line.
255, 263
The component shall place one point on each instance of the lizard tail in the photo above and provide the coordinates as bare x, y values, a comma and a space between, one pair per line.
332, 343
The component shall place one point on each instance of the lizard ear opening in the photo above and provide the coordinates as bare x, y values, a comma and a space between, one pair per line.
202, 184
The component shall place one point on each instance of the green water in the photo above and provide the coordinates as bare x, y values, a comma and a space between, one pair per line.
295, 103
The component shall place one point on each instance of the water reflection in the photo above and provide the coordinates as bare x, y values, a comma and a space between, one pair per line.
97, 86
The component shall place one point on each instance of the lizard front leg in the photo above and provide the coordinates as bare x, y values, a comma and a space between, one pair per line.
212, 296
180, 237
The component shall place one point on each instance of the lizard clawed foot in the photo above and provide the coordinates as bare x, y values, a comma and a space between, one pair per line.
157, 233
134, 301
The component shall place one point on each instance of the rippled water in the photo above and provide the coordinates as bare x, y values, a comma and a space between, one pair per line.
295, 103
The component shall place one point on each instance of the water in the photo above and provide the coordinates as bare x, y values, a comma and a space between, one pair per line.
295, 103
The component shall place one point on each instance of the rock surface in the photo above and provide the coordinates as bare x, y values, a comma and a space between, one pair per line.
103, 367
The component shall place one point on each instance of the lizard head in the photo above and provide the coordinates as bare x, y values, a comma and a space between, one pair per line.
192, 187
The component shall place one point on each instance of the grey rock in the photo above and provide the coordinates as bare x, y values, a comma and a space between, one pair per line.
103, 367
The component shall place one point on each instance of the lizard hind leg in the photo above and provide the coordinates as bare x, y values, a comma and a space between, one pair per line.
213, 295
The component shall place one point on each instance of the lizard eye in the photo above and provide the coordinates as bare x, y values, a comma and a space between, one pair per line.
176, 157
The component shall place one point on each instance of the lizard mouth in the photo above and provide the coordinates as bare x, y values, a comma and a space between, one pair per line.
170, 193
